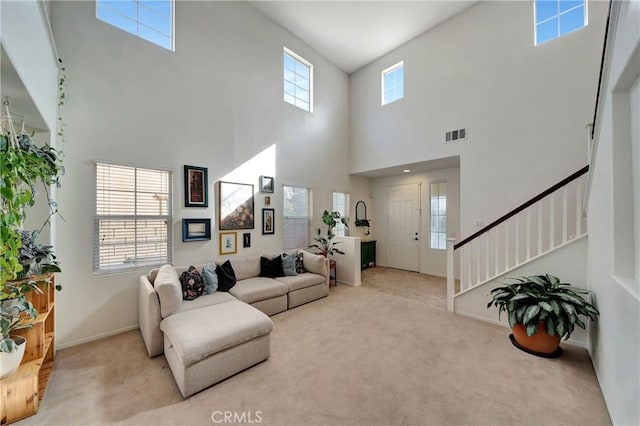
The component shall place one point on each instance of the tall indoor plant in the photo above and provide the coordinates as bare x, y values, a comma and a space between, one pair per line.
23, 167
541, 311
324, 243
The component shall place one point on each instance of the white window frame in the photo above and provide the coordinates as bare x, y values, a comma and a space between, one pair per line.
309, 65
434, 244
134, 263
557, 15
138, 24
389, 70
298, 223
341, 230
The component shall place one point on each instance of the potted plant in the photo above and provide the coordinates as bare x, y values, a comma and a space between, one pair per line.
12, 306
541, 311
23, 166
324, 244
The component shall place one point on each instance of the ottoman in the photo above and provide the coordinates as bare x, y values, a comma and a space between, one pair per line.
206, 345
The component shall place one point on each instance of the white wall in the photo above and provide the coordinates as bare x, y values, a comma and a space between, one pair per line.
348, 264
615, 338
525, 106
215, 102
433, 262
361, 191
25, 40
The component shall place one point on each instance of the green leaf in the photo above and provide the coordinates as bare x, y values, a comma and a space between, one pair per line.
550, 327
532, 329
530, 313
546, 306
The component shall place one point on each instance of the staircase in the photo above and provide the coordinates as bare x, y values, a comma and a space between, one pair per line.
537, 228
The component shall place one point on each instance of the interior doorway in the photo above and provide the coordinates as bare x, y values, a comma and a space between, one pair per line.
404, 227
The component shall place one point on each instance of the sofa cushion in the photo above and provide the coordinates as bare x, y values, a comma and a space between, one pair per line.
258, 288
220, 327
244, 266
210, 278
206, 300
226, 276
191, 283
314, 263
289, 265
271, 268
304, 280
167, 285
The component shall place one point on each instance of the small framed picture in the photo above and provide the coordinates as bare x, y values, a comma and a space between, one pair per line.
228, 242
268, 219
195, 187
246, 240
267, 200
196, 229
266, 184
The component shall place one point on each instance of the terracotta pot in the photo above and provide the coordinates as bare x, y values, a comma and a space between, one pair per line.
540, 342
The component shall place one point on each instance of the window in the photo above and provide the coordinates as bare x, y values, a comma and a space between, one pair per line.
393, 83
298, 81
296, 208
341, 205
133, 218
439, 215
554, 18
151, 20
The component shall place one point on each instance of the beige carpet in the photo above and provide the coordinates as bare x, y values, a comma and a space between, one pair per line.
386, 353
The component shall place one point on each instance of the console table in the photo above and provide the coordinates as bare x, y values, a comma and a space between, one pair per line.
367, 253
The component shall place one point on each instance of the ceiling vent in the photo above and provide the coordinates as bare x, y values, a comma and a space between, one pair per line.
455, 135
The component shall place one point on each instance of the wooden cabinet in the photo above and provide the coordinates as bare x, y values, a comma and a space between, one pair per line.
367, 253
21, 392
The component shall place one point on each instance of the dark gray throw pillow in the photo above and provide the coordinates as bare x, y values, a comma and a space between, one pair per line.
226, 276
271, 268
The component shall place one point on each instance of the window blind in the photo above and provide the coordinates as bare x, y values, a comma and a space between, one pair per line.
133, 218
296, 214
341, 202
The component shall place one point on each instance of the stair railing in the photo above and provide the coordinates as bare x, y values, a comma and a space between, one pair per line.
547, 221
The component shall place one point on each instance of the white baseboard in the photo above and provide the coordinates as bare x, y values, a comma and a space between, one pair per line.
76, 342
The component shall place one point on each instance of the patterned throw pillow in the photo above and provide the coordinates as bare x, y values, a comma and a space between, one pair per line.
192, 284
299, 264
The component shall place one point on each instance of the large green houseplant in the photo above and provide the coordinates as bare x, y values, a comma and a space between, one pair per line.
324, 244
539, 306
23, 167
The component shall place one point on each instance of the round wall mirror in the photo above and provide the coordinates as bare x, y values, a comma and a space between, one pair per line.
361, 214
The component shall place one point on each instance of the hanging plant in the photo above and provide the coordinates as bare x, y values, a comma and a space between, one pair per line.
23, 166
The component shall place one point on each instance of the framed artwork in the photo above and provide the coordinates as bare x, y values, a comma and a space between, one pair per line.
228, 242
267, 200
266, 184
246, 240
268, 220
236, 206
195, 187
196, 229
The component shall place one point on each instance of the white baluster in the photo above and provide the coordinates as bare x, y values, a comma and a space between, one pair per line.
506, 245
552, 222
517, 239
486, 257
497, 256
539, 227
565, 214
450, 276
528, 213
477, 244
579, 208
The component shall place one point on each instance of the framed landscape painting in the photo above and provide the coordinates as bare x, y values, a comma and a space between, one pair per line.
236, 206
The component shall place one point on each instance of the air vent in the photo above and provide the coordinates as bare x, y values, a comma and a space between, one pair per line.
455, 135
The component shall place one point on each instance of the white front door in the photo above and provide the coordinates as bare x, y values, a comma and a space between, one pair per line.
404, 227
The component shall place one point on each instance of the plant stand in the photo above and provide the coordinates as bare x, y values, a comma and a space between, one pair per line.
21, 392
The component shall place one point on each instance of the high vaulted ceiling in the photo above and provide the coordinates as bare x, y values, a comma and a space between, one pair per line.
352, 34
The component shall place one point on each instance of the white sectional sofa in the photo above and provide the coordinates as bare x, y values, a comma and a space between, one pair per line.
200, 354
